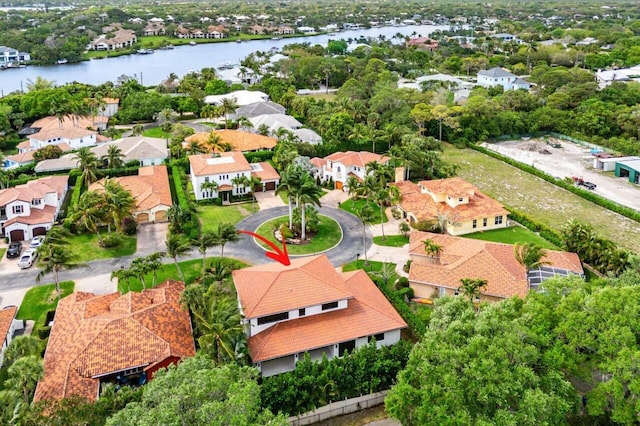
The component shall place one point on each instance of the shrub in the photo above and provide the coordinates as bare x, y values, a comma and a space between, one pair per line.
129, 225
110, 241
407, 266
423, 225
403, 282
43, 332
75, 196
406, 293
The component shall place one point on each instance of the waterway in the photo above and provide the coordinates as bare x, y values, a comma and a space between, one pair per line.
152, 69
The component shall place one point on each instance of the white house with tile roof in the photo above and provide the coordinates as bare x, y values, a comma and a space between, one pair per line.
339, 166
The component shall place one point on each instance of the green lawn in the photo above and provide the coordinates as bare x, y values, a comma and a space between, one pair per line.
353, 206
372, 266
190, 268
391, 240
84, 247
329, 234
41, 299
538, 199
2, 252
210, 216
155, 132
512, 235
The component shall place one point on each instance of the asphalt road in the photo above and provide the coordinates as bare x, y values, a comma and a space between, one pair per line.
245, 249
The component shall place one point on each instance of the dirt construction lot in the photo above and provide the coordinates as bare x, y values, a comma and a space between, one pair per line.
568, 161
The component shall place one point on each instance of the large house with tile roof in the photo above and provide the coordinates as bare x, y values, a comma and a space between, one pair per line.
432, 275
237, 139
223, 169
309, 307
339, 166
114, 338
460, 204
150, 189
118, 39
32, 208
75, 131
8, 327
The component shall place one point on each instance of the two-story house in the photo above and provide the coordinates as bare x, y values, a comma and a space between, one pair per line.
309, 307
77, 132
9, 56
31, 209
438, 272
118, 39
452, 203
339, 166
215, 175
501, 77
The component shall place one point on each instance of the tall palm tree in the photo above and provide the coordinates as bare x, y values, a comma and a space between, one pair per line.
89, 213
529, 255
194, 147
290, 181
308, 193
53, 259
88, 163
381, 197
254, 181
220, 326
137, 130
114, 157
177, 246
471, 287
205, 241
119, 202
140, 268
365, 214
20, 347
123, 276
228, 105
225, 233
24, 375
432, 248
209, 186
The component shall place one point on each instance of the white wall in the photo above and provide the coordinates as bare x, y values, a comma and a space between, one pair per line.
294, 314
220, 179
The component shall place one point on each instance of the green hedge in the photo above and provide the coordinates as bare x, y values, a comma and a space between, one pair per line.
543, 230
314, 384
192, 228
258, 156
587, 195
417, 326
75, 196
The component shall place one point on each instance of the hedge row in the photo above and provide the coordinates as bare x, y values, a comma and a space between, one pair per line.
75, 196
258, 156
415, 323
314, 384
192, 228
587, 195
543, 230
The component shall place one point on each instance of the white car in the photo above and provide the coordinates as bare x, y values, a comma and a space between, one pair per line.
28, 259
37, 241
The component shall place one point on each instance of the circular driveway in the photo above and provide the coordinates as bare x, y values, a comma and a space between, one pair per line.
344, 252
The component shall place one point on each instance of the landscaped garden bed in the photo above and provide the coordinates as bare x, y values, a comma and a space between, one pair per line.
328, 235
353, 206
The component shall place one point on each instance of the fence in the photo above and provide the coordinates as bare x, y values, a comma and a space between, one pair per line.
339, 408
579, 142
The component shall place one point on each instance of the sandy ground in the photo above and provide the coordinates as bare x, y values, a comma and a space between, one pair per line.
568, 161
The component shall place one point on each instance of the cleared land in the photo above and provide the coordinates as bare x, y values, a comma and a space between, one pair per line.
538, 199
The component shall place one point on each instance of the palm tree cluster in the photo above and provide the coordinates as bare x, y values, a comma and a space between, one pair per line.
24, 367
302, 189
89, 163
140, 267
104, 207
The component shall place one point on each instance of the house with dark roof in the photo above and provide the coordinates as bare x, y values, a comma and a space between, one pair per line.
309, 307
114, 338
461, 205
258, 108
501, 77
432, 275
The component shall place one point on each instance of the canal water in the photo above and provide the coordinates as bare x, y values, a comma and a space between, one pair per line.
153, 68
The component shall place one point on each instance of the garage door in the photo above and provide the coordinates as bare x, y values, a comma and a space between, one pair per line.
271, 186
41, 230
17, 235
142, 218
161, 216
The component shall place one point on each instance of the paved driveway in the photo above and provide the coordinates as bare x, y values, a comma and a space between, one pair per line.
151, 238
344, 252
268, 200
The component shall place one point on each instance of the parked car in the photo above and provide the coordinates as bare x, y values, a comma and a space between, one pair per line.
14, 250
28, 259
590, 185
37, 241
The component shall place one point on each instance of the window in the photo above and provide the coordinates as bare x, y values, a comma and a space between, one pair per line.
36, 201
484, 222
338, 168
460, 199
302, 312
346, 346
498, 220
273, 318
379, 337
475, 223
327, 306
18, 209
206, 179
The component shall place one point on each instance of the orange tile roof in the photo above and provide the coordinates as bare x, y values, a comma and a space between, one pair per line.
24, 145
150, 188
265, 172
51, 127
25, 157
368, 313
7, 315
476, 259
100, 335
225, 162
361, 158
37, 188
423, 206
241, 141
37, 216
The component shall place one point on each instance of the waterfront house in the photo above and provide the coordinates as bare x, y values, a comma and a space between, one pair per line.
118, 39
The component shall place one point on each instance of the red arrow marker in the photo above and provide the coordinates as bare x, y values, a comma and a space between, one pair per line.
279, 256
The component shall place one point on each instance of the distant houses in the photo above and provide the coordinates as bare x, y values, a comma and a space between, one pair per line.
114, 40
10, 56
501, 77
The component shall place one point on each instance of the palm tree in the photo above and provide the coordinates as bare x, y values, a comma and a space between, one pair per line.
355, 187
119, 202
21, 346
177, 216
124, 276
88, 163
140, 268
205, 241
177, 246
89, 212
219, 270
229, 105
209, 186
254, 181
114, 157
529, 255
24, 375
289, 182
471, 287
308, 193
54, 258
225, 233
365, 214
194, 147
137, 130
432, 249
381, 197
220, 327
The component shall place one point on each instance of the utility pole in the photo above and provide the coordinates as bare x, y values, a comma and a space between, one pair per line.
141, 79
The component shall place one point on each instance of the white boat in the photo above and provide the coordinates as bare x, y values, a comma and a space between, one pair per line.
192, 43
61, 61
145, 51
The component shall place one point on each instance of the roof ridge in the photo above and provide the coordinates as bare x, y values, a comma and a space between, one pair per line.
267, 334
360, 272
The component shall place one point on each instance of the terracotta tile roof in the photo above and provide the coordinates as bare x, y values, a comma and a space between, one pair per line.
7, 315
51, 128
273, 288
24, 145
239, 140
476, 259
423, 206
37, 188
150, 188
27, 157
264, 171
361, 158
37, 217
368, 313
99, 335
225, 162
